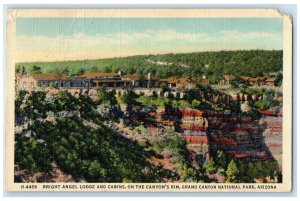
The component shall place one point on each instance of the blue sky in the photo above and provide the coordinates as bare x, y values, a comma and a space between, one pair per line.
46, 39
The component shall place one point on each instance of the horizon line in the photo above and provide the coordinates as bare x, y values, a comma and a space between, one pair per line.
25, 62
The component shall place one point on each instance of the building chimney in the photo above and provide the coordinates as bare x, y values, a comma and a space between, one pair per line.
149, 76
120, 73
149, 80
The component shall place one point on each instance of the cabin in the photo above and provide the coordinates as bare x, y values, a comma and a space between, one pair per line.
25, 81
183, 82
254, 81
32, 81
204, 81
143, 81
258, 81
270, 82
228, 79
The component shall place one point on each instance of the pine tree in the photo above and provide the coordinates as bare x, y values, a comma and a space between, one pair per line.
210, 167
221, 159
232, 172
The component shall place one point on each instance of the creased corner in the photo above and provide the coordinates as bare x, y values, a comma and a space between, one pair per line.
11, 15
286, 16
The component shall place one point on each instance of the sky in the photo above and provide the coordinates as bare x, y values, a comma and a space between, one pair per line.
60, 39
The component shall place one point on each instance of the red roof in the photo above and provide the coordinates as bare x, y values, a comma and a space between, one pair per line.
98, 75
246, 78
134, 77
174, 80
204, 81
48, 76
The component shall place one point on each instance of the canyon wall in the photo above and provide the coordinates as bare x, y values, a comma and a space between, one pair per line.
237, 134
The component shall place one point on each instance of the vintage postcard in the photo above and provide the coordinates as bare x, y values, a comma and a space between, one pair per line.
149, 100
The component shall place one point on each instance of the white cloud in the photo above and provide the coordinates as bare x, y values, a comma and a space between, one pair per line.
231, 35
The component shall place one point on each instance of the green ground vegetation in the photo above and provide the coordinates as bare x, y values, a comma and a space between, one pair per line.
88, 153
212, 64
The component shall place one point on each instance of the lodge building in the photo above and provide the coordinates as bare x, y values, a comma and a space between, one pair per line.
97, 79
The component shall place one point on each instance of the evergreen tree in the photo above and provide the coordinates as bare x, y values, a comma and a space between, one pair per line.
129, 98
210, 167
221, 160
107, 96
232, 172
36, 69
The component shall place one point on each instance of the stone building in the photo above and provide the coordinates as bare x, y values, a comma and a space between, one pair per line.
33, 81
